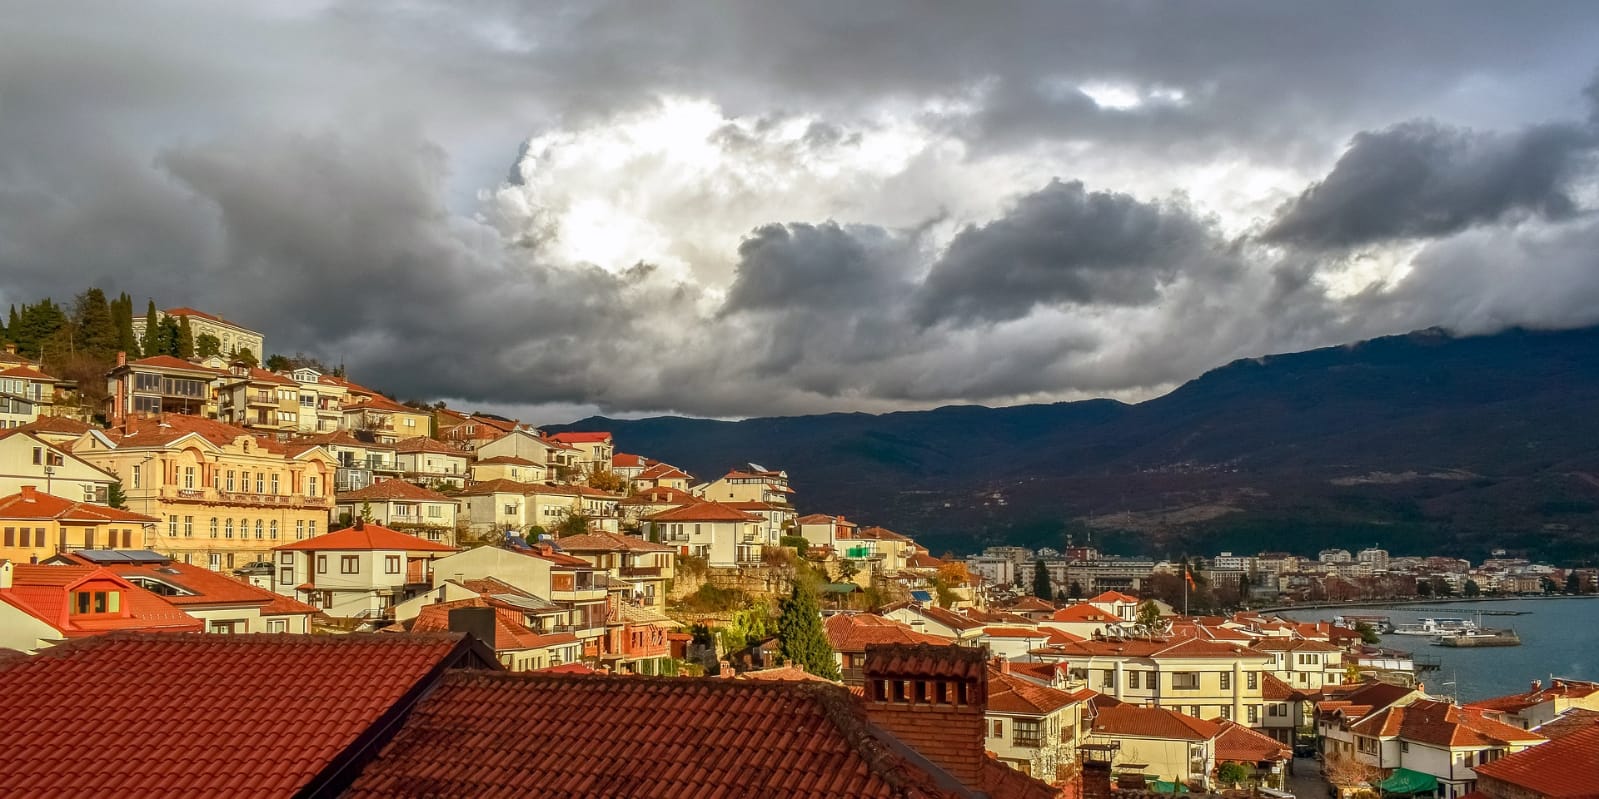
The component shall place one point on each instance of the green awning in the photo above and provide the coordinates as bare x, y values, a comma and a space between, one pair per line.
1162, 786
840, 588
1403, 780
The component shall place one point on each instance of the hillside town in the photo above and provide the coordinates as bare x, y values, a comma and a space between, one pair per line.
424, 601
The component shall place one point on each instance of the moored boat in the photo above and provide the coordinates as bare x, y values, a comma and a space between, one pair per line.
1475, 638
1438, 626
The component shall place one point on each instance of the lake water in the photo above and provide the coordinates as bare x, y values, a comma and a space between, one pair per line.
1559, 637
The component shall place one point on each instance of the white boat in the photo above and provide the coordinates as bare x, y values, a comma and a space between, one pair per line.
1436, 627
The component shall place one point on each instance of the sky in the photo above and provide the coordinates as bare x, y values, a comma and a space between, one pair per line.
753, 208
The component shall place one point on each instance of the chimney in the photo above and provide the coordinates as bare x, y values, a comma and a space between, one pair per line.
122, 357
932, 698
1536, 685
360, 523
30, 494
6, 570
476, 622
1096, 779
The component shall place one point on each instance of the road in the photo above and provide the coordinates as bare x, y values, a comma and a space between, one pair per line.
1305, 781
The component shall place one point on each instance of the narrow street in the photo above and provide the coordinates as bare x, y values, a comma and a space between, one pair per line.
1305, 781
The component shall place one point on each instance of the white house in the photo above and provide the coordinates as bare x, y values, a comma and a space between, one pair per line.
401, 505
358, 572
722, 535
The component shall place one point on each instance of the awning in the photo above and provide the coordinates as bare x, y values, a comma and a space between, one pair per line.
1162, 786
1403, 780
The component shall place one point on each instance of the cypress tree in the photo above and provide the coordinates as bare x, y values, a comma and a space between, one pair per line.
12, 323
799, 631
166, 337
122, 309
152, 333
1041, 587
185, 339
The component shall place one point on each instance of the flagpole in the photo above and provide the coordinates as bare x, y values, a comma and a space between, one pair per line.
1185, 587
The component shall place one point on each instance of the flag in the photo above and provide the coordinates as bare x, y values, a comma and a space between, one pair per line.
1189, 576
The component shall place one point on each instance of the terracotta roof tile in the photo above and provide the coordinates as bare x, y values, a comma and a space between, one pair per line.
36, 504
1085, 613
599, 541
173, 715
1010, 694
394, 489
364, 538
511, 735
425, 444
1153, 722
1241, 744
1442, 724
44, 592
1565, 768
581, 438
703, 512
851, 632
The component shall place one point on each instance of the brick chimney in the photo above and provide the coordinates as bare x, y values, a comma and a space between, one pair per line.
360, 523
933, 699
30, 494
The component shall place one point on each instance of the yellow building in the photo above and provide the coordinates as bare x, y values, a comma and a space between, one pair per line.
30, 459
224, 497
35, 525
232, 337
260, 401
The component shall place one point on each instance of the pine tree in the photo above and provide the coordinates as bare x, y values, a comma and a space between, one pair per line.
96, 329
245, 356
185, 339
166, 336
152, 333
36, 326
800, 633
122, 310
12, 323
1041, 587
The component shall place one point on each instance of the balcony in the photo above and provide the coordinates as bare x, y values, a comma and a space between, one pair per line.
643, 571
263, 399
243, 498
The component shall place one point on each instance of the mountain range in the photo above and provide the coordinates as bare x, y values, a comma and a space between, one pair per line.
1425, 443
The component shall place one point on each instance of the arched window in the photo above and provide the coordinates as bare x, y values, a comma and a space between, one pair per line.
259, 529
274, 530
227, 528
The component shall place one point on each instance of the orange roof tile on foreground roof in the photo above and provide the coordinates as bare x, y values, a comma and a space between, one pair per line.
511, 735
366, 538
1437, 722
55, 424
1565, 768
44, 592
703, 512
1152, 722
1572, 720
167, 712
1011, 694
852, 632
627, 460
31, 503
1274, 689
394, 489
1241, 744
207, 587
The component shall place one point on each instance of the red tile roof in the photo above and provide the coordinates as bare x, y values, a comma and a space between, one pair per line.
1014, 632
880, 533
1241, 744
55, 424
257, 375
365, 538
782, 674
662, 495
581, 438
510, 633
703, 512
1557, 689
31, 503
169, 362
393, 489
514, 735
425, 444
1085, 613
626, 460
207, 587
1273, 689
1031, 603
168, 714
510, 460
27, 373
1152, 722
851, 632
203, 315
1572, 720
664, 471
1109, 597
1441, 724
600, 541
45, 592
1014, 695
1565, 768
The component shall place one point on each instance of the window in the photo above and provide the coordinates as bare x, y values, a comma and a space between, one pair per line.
1253, 680
1110, 678
38, 536
260, 483
277, 625
88, 538
1277, 709
1024, 732
1254, 714
1226, 681
285, 576
310, 487
1185, 681
391, 564
11, 536
230, 560
188, 477
136, 468
286, 558
435, 512
87, 602
230, 480
215, 561
310, 528
1132, 679
229, 627
172, 528
244, 481
259, 529
227, 529
999, 728
1227, 711
1368, 746
188, 527
321, 564
213, 527
349, 564
1404, 746
1195, 711
299, 529
274, 484
273, 530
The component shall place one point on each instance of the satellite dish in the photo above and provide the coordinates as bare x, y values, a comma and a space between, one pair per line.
756, 467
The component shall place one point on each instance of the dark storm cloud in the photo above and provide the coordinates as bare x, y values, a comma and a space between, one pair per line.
1064, 245
818, 266
1422, 179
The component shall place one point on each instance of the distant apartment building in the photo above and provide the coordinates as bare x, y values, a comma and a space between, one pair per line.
1331, 556
232, 337
161, 384
25, 392
1373, 559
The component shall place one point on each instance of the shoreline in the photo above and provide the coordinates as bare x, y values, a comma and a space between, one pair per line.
1371, 603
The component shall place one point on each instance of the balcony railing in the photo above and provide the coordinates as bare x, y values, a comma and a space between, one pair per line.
243, 498
642, 571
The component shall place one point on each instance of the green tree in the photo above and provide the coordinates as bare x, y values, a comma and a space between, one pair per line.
275, 362
185, 345
572, 523
801, 637
1075, 589
206, 345
1442, 587
1231, 774
96, 334
1472, 589
115, 497
245, 356
36, 326
1573, 583
1148, 614
12, 323
122, 314
152, 332
1423, 588
166, 336
1368, 634
1548, 584
1041, 587
366, 511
